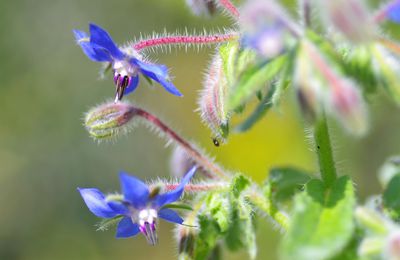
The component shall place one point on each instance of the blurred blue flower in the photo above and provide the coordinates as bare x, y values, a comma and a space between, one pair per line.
139, 207
393, 11
126, 62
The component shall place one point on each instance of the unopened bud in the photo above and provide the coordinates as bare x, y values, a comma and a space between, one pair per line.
108, 120
212, 100
186, 237
180, 162
202, 7
392, 250
350, 17
347, 104
265, 27
387, 67
309, 85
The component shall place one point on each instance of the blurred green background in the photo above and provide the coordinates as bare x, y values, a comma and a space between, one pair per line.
45, 153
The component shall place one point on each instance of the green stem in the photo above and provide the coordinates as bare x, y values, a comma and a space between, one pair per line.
267, 206
324, 151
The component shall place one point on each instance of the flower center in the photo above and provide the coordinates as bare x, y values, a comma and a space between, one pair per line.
123, 74
147, 225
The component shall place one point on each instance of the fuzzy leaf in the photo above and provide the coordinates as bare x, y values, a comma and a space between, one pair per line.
260, 111
322, 223
254, 79
241, 232
239, 183
285, 182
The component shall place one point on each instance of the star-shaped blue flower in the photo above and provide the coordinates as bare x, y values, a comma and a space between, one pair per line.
126, 63
139, 207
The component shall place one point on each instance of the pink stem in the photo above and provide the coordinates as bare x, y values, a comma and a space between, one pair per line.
196, 187
227, 4
211, 170
209, 39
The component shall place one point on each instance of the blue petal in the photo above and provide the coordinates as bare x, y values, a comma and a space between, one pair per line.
93, 51
393, 12
135, 191
126, 228
174, 195
158, 73
132, 86
100, 37
96, 203
170, 216
118, 207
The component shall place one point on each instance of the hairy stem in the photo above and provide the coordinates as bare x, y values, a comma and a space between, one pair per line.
268, 207
211, 170
324, 151
193, 188
228, 5
183, 39
306, 12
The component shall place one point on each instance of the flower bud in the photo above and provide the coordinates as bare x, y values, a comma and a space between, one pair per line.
350, 17
392, 251
346, 103
309, 85
387, 67
186, 237
212, 102
180, 162
265, 27
202, 7
108, 120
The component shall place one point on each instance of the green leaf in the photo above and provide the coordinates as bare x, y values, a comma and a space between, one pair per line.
285, 182
239, 184
241, 232
322, 224
207, 238
254, 79
391, 197
178, 206
258, 113
229, 54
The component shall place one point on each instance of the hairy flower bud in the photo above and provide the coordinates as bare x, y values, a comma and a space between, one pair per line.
202, 7
387, 67
180, 162
186, 237
266, 27
212, 102
347, 105
350, 17
322, 87
109, 119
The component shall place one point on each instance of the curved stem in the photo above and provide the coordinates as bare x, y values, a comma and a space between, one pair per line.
183, 39
228, 5
211, 170
324, 151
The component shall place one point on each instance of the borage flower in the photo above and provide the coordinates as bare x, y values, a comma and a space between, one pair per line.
140, 207
125, 62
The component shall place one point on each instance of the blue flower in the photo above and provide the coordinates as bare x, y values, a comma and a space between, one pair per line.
126, 63
393, 11
139, 208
